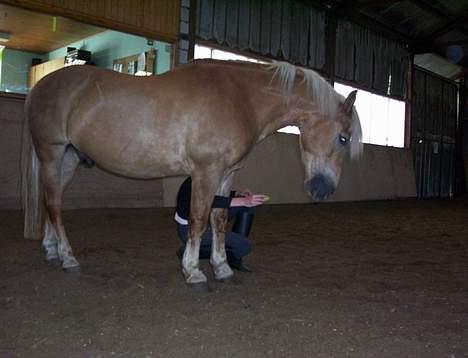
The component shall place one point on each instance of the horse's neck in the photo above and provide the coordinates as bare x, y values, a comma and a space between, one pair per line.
274, 109
277, 112
280, 116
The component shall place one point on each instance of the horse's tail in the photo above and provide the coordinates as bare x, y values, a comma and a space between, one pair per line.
33, 205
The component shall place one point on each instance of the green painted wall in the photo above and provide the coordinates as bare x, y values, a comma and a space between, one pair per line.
110, 45
105, 47
15, 68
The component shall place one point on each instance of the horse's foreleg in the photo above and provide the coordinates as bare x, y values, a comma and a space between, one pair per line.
218, 218
218, 258
56, 174
190, 261
204, 185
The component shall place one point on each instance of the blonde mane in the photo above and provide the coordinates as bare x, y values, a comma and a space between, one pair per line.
319, 91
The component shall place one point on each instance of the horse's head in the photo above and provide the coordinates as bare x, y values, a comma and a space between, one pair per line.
324, 141
329, 125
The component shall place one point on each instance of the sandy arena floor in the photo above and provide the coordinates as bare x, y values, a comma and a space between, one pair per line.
375, 279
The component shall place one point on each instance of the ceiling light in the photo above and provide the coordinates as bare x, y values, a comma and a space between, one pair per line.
4, 36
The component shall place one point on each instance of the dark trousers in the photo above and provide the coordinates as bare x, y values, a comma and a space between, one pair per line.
237, 246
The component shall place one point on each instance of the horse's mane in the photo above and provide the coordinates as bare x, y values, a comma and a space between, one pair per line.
319, 91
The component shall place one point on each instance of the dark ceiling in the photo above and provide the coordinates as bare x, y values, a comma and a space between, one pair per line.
427, 26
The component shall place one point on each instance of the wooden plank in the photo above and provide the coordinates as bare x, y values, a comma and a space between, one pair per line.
364, 58
265, 27
344, 61
276, 18
219, 21
317, 48
286, 29
299, 34
244, 24
419, 104
255, 25
382, 64
232, 23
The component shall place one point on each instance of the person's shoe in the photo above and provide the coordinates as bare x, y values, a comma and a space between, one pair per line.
239, 265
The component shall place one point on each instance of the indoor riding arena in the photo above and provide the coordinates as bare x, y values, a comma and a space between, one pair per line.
355, 250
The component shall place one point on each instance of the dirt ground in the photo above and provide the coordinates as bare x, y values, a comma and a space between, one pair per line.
373, 279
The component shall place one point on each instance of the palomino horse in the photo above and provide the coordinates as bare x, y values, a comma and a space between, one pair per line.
201, 119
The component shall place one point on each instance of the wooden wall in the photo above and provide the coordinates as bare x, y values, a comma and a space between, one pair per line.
157, 19
11, 115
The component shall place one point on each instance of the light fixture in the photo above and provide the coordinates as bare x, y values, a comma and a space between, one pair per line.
4, 36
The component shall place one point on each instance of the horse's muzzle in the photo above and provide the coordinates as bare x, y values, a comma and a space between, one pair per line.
320, 187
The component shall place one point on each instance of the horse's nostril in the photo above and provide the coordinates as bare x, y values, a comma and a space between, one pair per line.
320, 187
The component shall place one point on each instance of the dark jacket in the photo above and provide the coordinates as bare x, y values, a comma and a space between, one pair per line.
184, 197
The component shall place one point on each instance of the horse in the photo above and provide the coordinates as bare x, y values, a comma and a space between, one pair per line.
201, 119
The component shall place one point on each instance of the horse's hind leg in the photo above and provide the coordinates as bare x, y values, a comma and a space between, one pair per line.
56, 173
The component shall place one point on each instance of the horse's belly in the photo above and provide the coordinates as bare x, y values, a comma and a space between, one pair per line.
150, 170
136, 160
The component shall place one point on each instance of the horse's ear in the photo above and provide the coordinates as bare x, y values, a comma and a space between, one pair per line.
349, 102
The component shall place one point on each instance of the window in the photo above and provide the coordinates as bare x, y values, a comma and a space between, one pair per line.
382, 118
209, 52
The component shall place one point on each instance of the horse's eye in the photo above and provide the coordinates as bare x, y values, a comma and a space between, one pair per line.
343, 140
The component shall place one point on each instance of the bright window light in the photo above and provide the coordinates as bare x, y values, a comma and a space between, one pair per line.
382, 118
209, 52
289, 130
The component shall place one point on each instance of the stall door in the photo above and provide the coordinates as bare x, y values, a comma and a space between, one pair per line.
434, 123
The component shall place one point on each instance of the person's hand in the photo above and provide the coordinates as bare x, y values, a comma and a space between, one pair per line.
244, 192
249, 200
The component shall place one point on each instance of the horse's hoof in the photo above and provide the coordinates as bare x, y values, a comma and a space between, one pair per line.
54, 262
72, 269
200, 287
